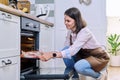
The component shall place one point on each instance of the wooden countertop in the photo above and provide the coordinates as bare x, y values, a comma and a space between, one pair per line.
20, 13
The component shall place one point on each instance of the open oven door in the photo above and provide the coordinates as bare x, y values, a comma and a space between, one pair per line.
49, 73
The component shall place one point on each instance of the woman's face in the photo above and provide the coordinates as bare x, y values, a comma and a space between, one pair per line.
69, 22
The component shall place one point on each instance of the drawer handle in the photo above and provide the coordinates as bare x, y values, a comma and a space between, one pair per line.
4, 14
7, 16
7, 63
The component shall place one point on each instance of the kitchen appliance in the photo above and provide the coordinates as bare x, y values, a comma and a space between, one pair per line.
29, 42
30, 69
13, 3
42, 11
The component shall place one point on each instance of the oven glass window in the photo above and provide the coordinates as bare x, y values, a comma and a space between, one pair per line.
27, 44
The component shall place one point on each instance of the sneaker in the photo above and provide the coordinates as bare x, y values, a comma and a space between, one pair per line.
103, 75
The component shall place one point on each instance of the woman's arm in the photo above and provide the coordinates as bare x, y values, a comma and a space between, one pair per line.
82, 37
48, 55
67, 52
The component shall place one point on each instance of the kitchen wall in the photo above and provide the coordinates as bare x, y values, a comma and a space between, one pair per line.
113, 23
53, 38
113, 16
49, 3
112, 8
46, 32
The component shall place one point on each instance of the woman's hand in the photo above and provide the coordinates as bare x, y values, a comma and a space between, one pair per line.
46, 56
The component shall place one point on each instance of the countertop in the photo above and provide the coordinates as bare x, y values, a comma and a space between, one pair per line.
20, 13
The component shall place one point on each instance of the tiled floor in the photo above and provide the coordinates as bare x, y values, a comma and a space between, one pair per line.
114, 73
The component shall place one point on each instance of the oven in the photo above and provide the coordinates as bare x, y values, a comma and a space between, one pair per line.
30, 69
29, 42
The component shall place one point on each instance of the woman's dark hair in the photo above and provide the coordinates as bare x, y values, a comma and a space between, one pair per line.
75, 14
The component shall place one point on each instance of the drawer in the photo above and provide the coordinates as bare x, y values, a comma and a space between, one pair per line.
9, 35
10, 68
9, 17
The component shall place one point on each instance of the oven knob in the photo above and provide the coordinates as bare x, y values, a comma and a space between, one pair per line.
29, 24
34, 26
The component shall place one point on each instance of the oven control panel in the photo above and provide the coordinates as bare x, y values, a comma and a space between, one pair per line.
29, 24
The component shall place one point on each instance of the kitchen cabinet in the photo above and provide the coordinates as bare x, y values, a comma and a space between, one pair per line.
9, 68
10, 41
9, 34
9, 46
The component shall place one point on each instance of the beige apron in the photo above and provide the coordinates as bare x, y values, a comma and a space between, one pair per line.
98, 58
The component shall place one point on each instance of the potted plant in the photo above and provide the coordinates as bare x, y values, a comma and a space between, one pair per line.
114, 48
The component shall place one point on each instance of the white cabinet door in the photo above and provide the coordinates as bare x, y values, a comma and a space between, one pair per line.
9, 46
10, 68
9, 35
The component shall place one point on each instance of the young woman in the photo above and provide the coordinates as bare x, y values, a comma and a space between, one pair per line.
82, 51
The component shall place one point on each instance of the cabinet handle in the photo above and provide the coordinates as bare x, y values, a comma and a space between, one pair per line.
4, 14
7, 63
7, 16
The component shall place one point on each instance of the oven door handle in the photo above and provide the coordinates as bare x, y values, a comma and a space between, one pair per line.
26, 34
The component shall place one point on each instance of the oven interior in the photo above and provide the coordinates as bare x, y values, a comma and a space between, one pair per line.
28, 43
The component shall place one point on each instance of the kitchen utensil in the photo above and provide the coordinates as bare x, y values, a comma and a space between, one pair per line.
42, 11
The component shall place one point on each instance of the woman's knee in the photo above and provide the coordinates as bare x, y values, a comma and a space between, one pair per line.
81, 66
78, 67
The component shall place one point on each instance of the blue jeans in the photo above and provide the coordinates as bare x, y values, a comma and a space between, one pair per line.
81, 66
70, 63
